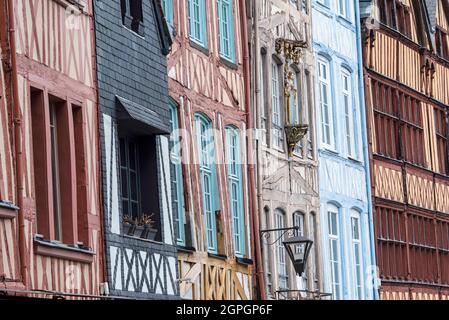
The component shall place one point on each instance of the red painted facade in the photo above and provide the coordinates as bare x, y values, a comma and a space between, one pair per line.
50, 218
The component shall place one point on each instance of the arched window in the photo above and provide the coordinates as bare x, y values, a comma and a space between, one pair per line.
325, 103
236, 189
279, 220
176, 174
334, 250
209, 185
357, 253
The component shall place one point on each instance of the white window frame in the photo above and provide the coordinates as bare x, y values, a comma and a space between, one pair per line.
348, 112
324, 87
281, 255
335, 262
356, 245
276, 107
344, 8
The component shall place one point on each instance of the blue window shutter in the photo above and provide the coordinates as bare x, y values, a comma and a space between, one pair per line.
177, 180
235, 178
197, 21
226, 29
203, 22
167, 5
209, 184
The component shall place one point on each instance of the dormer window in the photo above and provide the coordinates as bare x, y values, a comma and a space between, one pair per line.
132, 15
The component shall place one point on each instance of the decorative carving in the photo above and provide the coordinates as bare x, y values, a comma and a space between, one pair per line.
294, 134
291, 50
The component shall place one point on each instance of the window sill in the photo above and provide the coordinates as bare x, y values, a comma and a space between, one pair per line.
143, 239
141, 28
62, 251
354, 159
228, 63
8, 210
186, 249
328, 149
345, 21
217, 256
244, 261
199, 47
322, 8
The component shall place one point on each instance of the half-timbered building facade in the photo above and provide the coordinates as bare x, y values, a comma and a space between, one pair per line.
346, 213
132, 41
50, 226
282, 80
211, 186
406, 71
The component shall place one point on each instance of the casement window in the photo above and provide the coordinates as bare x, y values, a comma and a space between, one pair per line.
343, 8
422, 246
130, 178
386, 120
208, 175
307, 96
132, 15
268, 255
357, 254
392, 243
167, 6
59, 169
139, 184
226, 29
396, 15
314, 255
412, 130
441, 138
298, 221
276, 105
176, 177
347, 99
279, 220
325, 104
443, 249
197, 21
236, 189
295, 103
441, 43
398, 116
56, 174
334, 250
264, 83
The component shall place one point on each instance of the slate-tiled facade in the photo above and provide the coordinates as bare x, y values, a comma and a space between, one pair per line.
132, 67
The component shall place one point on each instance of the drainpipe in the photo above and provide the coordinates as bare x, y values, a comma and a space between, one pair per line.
254, 212
365, 148
17, 121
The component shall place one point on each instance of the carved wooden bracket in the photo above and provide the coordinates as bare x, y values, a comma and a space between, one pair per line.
294, 134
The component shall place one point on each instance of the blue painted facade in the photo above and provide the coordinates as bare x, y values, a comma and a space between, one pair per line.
346, 228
